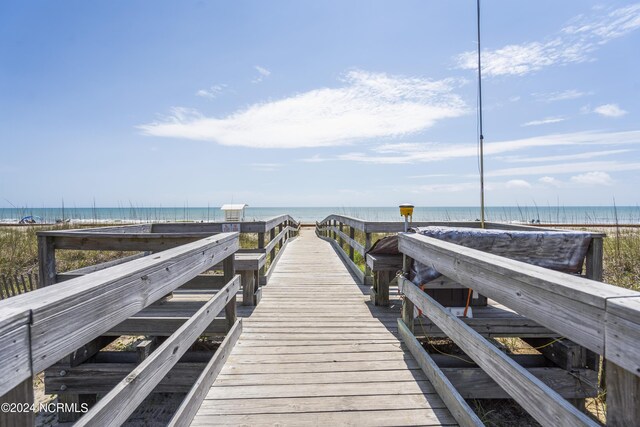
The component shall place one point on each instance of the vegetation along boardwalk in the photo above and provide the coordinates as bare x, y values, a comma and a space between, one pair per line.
312, 353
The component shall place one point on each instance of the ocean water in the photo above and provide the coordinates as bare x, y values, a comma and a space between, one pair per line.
545, 214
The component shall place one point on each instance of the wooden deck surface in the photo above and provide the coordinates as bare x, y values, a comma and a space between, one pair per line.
315, 352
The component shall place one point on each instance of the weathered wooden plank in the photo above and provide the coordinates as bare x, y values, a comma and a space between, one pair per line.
103, 377
14, 348
460, 410
114, 408
569, 305
404, 417
365, 388
623, 391
124, 242
274, 368
398, 354
21, 394
539, 400
99, 301
101, 266
380, 262
187, 410
623, 333
321, 404
46, 260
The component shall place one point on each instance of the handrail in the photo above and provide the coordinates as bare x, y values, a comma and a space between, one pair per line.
598, 316
570, 305
147, 237
40, 327
331, 229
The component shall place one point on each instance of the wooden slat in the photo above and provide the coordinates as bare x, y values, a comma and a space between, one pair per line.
456, 404
544, 404
572, 306
103, 265
187, 410
114, 408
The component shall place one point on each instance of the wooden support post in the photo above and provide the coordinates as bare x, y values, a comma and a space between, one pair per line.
407, 305
144, 349
272, 235
594, 259
247, 278
230, 309
21, 394
341, 240
46, 261
380, 289
280, 228
352, 235
367, 246
261, 246
623, 392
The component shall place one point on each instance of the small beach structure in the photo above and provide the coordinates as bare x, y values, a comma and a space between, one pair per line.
234, 212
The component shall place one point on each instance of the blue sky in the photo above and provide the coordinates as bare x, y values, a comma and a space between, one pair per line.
326, 103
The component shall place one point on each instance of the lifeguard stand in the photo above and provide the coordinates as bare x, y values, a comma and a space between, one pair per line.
234, 212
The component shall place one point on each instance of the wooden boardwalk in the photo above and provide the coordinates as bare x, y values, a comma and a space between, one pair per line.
314, 353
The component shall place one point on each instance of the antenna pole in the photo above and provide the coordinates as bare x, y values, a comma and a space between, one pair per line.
480, 124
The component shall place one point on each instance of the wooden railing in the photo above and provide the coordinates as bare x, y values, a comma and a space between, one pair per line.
601, 317
359, 235
41, 327
158, 237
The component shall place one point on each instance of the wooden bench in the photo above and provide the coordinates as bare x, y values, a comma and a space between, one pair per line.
446, 291
249, 265
384, 268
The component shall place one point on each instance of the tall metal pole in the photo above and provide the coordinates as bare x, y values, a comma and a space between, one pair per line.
480, 124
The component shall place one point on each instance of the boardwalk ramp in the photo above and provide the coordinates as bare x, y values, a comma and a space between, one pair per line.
313, 353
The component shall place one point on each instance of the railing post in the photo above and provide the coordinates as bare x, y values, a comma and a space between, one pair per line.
407, 305
22, 394
272, 235
280, 228
623, 389
341, 240
261, 246
367, 246
594, 259
46, 261
352, 236
333, 230
229, 270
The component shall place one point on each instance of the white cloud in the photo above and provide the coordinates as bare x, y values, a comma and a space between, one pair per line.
610, 110
266, 167
545, 121
573, 44
593, 178
517, 183
316, 158
577, 156
563, 168
551, 181
430, 152
560, 95
211, 92
262, 73
367, 105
